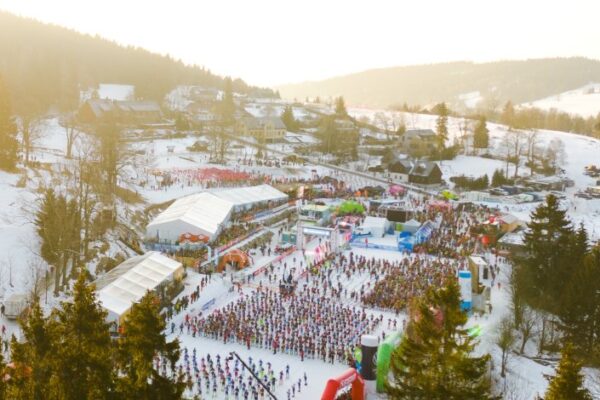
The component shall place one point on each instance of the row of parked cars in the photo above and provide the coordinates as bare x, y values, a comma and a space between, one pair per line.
592, 192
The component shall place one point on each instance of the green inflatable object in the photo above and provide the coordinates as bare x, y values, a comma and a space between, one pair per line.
384, 354
351, 207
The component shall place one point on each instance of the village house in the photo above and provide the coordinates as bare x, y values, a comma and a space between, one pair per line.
123, 112
268, 129
418, 142
425, 173
399, 169
204, 96
418, 172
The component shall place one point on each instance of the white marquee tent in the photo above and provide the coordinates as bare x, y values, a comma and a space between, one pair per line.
206, 213
247, 196
202, 213
127, 283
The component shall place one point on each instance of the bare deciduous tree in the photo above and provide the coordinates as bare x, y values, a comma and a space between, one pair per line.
31, 133
531, 139
527, 327
71, 132
505, 339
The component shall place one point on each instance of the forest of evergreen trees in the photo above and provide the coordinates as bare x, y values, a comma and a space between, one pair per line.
45, 66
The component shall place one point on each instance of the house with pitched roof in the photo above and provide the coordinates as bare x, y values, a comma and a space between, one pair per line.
269, 129
122, 111
415, 171
418, 142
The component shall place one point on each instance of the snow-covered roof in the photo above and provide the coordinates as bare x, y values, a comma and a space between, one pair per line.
249, 195
208, 210
113, 91
203, 210
478, 260
513, 238
127, 283
374, 221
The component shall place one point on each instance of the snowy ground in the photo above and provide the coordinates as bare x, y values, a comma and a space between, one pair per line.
584, 101
580, 151
18, 248
317, 372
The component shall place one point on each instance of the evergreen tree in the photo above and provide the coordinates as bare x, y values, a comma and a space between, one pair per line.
499, 179
82, 355
288, 119
546, 269
33, 355
442, 125
226, 107
111, 152
46, 222
581, 316
401, 130
3, 383
143, 341
434, 358
568, 382
59, 224
508, 117
181, 123
9, 144
481, 135
340, 107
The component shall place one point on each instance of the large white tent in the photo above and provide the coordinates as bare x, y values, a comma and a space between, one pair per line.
247, 196
208, 212
198, 214
127, 283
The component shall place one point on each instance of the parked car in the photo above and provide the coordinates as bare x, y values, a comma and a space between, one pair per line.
583, 195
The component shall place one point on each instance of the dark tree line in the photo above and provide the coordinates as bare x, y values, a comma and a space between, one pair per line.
46, 66
69, 354
558, 275
9, 144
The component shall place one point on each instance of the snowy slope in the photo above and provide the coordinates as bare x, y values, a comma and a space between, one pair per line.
584, 101
580, 151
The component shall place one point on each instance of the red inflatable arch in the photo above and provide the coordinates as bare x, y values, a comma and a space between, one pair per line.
350, 377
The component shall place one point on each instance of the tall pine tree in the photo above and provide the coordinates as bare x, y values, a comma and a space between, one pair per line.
546, 269
434, 360
82, 352
442, 125
34, 355
144, 340
580, 319
568, 382
340, 107
288, 119
481, 137
9, 145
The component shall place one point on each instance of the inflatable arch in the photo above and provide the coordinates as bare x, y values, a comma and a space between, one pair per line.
350, 377
236, 258
384, 354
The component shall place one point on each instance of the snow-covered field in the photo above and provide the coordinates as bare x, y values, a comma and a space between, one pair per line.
584, 101
579, 151
20, 245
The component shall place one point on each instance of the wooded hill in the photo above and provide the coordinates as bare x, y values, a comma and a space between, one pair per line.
45, 66
497, 82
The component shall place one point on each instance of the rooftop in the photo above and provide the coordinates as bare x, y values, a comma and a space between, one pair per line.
127, 283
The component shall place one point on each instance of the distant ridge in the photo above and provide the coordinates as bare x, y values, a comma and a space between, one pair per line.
46, 65
492, 82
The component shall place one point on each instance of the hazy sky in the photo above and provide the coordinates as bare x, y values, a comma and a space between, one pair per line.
269, 42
